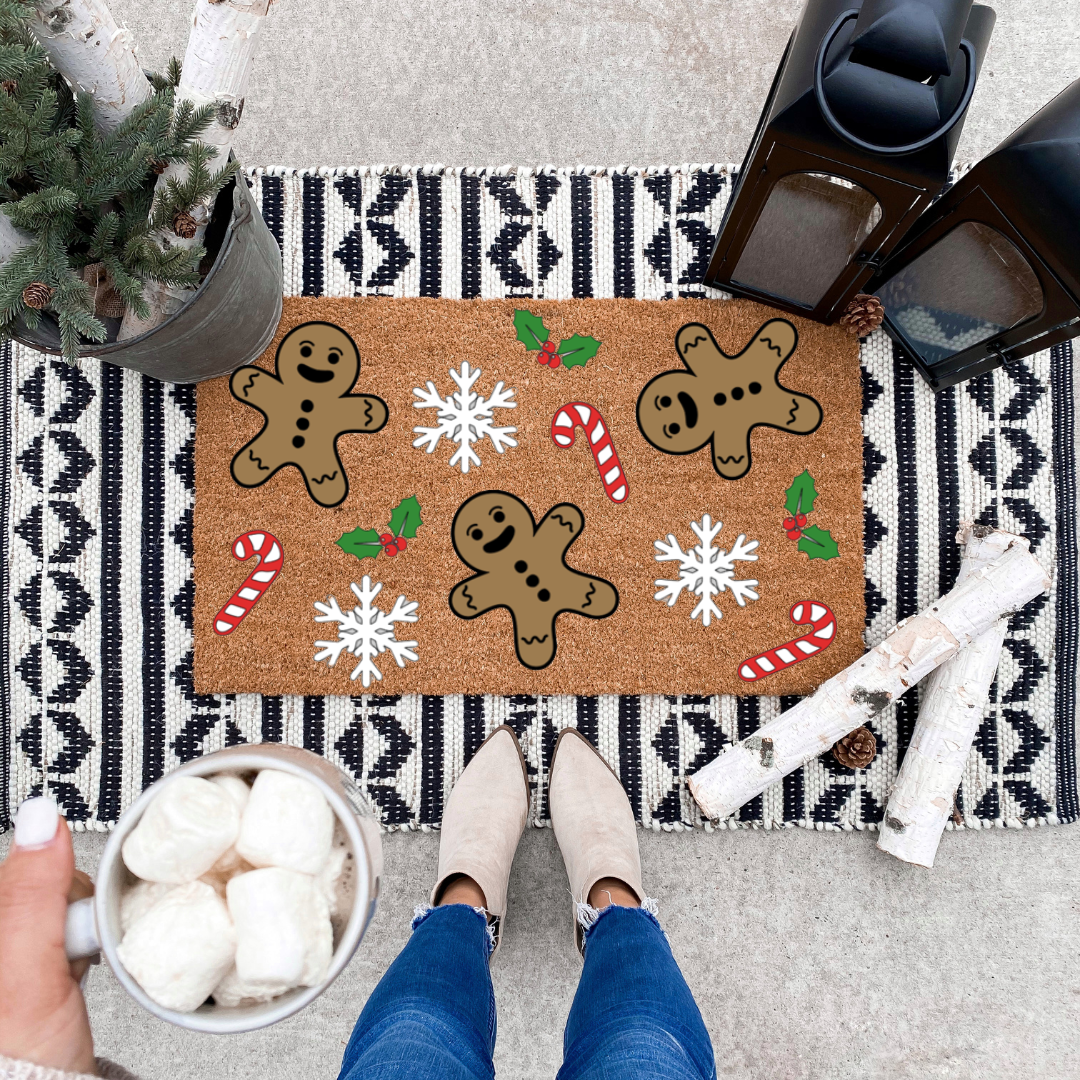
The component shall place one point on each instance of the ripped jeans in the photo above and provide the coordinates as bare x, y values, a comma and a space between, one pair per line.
432, 1016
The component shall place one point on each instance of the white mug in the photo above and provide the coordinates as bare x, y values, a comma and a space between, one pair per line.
93, 925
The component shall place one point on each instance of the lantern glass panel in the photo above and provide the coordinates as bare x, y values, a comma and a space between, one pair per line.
972, 284
809, 229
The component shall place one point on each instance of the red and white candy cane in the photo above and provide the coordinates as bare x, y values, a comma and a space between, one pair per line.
271, 559
820, 638
603, 451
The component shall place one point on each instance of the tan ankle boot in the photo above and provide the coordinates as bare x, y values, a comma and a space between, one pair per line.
483, 822
593, 821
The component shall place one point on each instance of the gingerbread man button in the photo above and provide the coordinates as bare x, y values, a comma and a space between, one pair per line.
308, 407
521, 566
720, 399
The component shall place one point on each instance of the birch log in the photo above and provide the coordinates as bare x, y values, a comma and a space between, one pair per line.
952, 708
87, 47
224, 37
915, 648
12, 238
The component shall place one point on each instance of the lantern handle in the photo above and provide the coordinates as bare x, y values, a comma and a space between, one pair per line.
819, 92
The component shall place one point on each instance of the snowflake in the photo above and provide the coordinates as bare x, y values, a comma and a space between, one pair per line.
366, 631
465, 417
706, 571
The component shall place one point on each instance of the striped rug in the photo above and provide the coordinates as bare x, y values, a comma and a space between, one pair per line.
96, 491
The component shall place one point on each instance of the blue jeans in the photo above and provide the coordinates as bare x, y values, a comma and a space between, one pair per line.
432, 1016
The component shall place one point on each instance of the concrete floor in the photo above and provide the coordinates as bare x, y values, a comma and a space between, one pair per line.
811, 956
535, 82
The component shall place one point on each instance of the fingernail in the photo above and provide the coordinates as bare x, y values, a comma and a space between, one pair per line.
36, 821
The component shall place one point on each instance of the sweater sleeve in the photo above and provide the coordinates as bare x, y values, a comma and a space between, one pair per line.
10, 1069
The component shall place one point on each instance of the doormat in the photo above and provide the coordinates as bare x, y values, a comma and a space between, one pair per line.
97, 694
614, 561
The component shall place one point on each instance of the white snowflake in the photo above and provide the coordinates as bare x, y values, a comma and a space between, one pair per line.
707, 570
366, 631
465, 417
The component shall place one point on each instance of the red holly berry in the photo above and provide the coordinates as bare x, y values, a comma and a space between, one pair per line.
794, 534
548, 346
386, 538
800, 520
789, 524
391, 550
556, 360
401, 545
543, 357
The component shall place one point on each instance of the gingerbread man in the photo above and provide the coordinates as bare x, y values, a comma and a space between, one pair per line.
720, 399
521, 566
308, 407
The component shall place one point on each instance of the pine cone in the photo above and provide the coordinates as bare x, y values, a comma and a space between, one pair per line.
9, 86
158, 167
36, 295
863, 315
184, 225
856, 749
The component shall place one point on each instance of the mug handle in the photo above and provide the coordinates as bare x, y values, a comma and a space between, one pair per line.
80, 930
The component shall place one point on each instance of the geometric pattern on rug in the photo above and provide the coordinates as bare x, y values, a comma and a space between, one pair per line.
97, 488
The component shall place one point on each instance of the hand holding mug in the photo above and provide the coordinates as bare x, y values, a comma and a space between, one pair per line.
42, 1013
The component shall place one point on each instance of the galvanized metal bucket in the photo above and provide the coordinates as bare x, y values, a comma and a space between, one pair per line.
228, 322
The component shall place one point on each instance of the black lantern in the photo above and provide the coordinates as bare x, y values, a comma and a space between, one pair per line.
855, 140
992, 271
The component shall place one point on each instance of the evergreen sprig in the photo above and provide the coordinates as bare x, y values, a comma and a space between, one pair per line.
82, 196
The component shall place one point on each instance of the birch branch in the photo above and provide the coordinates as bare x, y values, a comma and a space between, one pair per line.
87, 47
953, 704
915, 648
217, 65
12, 238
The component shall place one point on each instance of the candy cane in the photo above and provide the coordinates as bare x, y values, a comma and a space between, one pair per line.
255, 584
607, 461
820, 638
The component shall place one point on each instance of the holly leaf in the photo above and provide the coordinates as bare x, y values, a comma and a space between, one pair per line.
818, 543
801, 495
531, 331
405, 518
577, 350
363, 543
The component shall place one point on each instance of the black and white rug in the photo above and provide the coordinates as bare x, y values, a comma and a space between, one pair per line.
96, 492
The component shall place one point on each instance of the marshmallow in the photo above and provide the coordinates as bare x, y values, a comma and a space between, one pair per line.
183, 832
231, 863
286, 823
181, 948
139, 899
283, 933
232, 785
233, 991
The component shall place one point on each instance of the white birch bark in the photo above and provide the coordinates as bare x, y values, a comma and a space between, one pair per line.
95, 55
217, 65
846, 701
953, 704
12, 238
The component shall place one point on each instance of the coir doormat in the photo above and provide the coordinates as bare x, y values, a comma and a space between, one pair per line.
610, 519
97, 493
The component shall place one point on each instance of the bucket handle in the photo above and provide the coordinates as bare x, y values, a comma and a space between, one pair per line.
830, 118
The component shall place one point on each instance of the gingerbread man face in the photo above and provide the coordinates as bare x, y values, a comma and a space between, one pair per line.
307, 406
521, 566
720, 399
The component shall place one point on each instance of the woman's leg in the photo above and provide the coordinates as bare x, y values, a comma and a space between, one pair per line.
432, 1016
433, 1013
633, 1015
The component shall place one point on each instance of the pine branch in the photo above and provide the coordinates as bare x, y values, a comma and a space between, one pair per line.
85, 192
